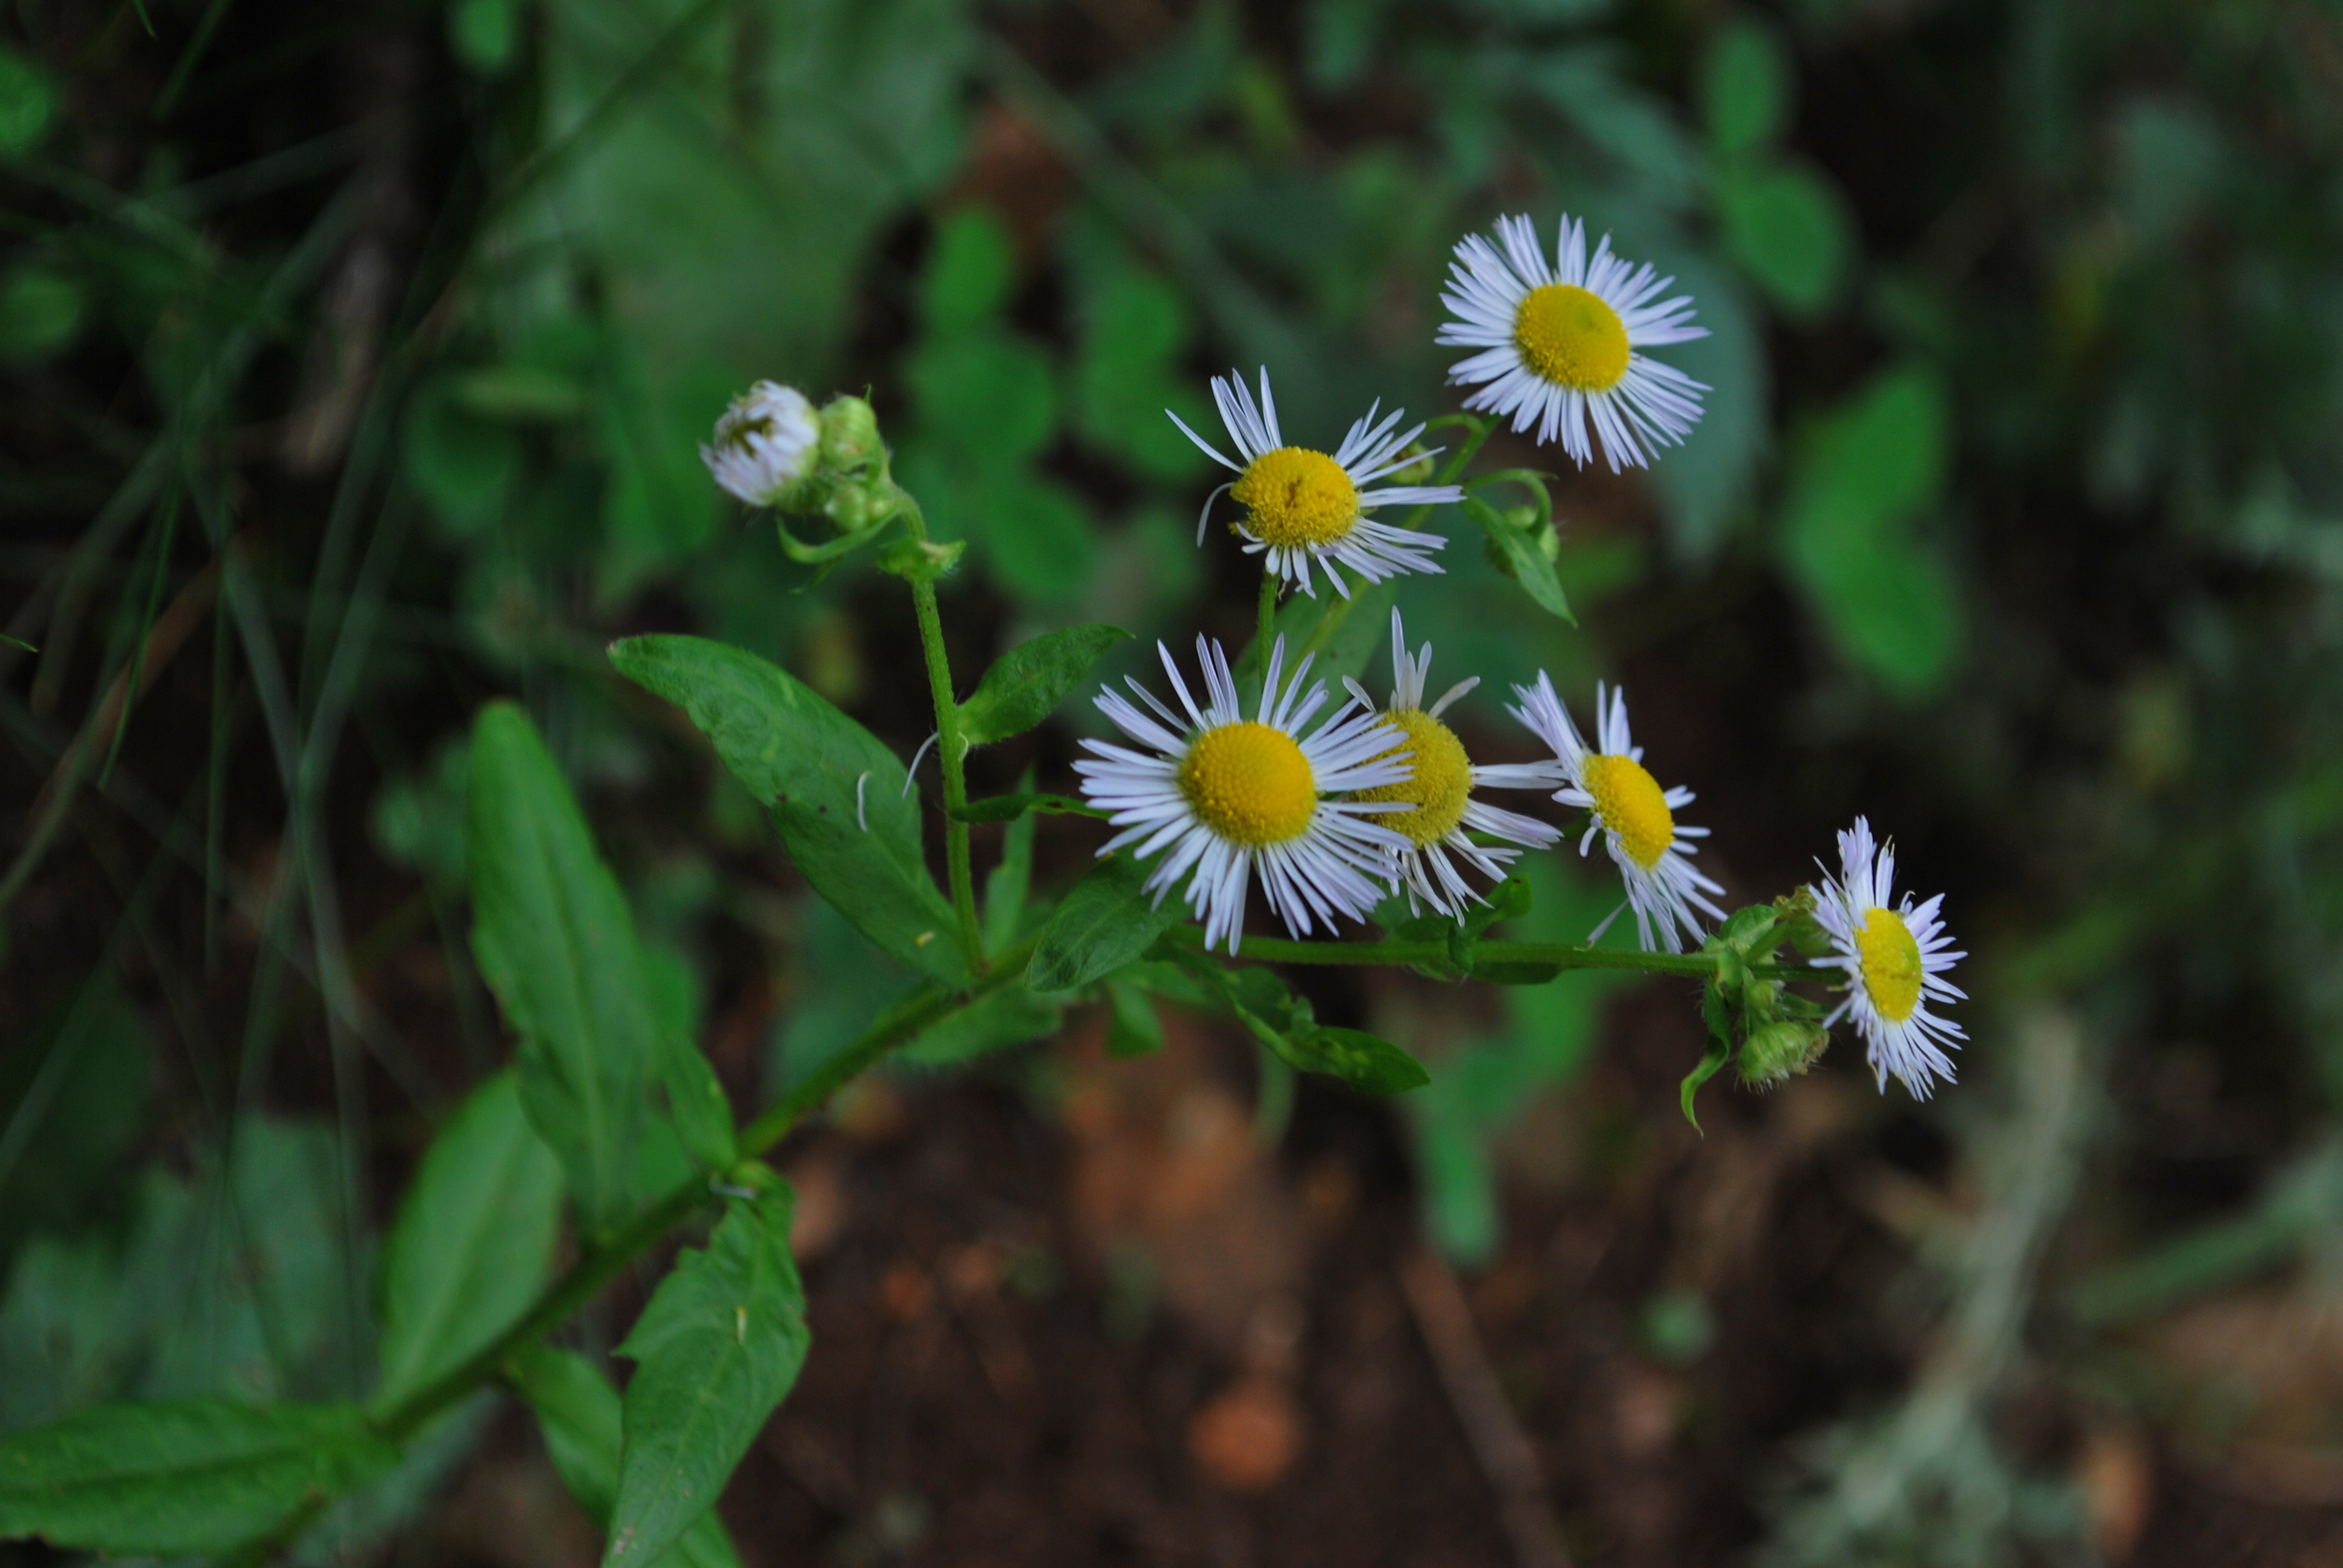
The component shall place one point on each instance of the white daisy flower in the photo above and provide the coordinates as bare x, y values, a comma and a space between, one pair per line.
1221, 795
1302, 506
1635, 817
766, 443
1894, 955
1562, 345
1438, 792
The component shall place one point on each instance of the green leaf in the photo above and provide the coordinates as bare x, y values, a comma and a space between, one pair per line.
182, 1478
556, 942
1010, 1016
1523, 558
1367, 1063
1133, 1027
473, 1243
986, 395
1026, 684
1745, 88
1787, 226
1009, 884
579, 1412
27, 102
72, 1097
970, 273
715, 1349
484, 34
1103, 922
1027, 803
697, 1101
41, 313
836, 792
1036, 537
1868, 472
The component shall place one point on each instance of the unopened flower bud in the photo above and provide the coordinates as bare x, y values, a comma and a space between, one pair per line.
856, 506
1417, 472
1777, 1051
765, 445
849, 434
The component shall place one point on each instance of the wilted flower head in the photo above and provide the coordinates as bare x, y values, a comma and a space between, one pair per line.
765, 444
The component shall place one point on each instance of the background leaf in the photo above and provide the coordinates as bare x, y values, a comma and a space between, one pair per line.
556, 942
473, 1243
718, 1347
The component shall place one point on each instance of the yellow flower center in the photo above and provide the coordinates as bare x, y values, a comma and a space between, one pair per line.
1630, 803
1891, 964
1439, 787
1297, 498
1572, 337
1250, 783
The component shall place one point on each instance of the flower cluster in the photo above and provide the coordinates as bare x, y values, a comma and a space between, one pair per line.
1335, 808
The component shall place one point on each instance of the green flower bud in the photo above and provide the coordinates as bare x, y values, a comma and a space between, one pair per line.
850, 435
1778, 1051
1418, 472
857, 505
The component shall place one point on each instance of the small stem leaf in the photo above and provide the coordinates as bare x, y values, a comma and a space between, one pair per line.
556, 942
836, 791
1133, 1029
1028, 681
715, 1351
1518, 552
579, 1411
1103, 922
1010, 1016
1367, 1063
702, 1111
1009, 885
1010, 808
184, 1477
473, 1243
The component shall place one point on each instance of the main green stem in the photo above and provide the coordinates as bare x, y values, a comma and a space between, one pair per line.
1265, 618
1561, 955
949, 746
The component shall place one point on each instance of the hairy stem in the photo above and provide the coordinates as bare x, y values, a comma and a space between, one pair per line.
1265, 618
950, 750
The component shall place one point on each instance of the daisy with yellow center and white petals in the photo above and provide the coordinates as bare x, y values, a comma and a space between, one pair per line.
1221, 795
1635, 817
1562, 345
1440, 812
1303, 506
1894, 955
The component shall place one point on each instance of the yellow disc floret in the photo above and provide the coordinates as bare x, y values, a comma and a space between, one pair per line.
1891, 964
1440, 785
1572, 337
1250, 783
1297, 498
1632, 806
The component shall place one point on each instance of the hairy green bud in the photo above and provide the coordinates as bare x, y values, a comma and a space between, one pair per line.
850, 435
1777, 1051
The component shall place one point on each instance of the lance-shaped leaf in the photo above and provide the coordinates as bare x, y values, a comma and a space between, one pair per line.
1523, 556
556, 942
181, 1478
472, 1241
1028, 681
836, 791
715, 1351
577, 1410
1103, 922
